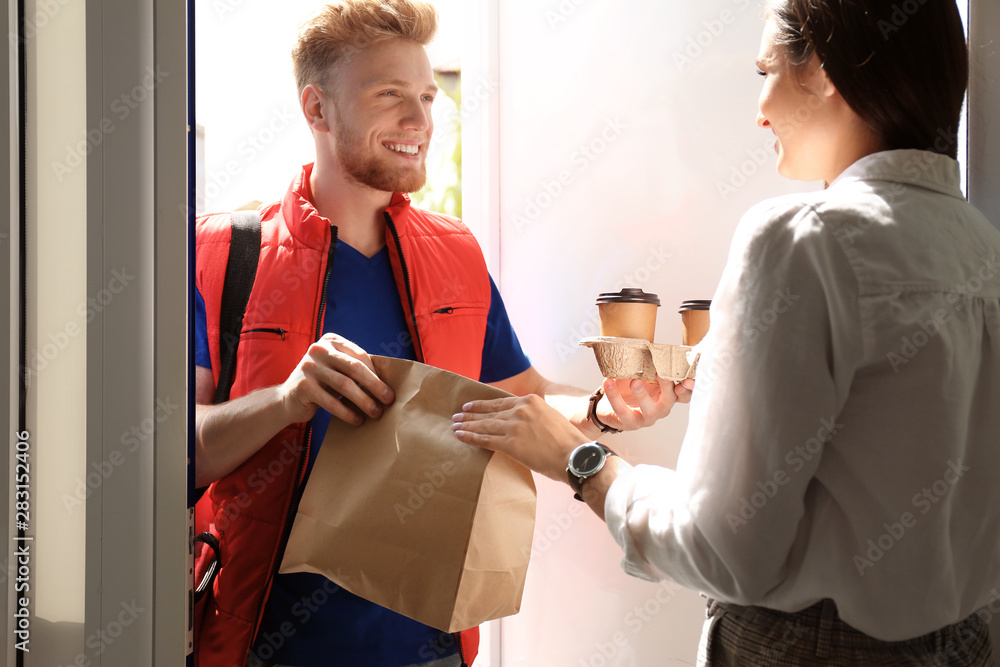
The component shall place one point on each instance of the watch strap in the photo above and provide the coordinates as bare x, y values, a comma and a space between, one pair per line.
595, 398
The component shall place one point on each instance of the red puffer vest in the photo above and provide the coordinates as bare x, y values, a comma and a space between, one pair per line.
445, 289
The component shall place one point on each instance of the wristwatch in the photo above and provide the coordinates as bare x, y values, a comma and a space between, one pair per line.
584, 462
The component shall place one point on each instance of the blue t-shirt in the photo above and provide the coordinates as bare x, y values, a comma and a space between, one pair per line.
309, 620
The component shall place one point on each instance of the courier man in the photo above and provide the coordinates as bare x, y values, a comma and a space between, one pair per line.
347, 266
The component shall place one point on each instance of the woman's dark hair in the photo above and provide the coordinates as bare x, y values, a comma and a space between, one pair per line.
902, 65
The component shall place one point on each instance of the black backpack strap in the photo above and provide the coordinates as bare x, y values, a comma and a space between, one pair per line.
241, 271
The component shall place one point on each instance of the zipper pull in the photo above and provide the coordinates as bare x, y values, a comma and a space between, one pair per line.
445, 311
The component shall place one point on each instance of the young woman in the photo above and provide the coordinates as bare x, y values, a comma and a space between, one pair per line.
835, 493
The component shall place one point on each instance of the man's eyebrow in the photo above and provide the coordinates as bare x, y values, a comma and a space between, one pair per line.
399, 83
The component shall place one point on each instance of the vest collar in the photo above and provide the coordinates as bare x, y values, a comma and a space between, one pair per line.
399, 209
310, 228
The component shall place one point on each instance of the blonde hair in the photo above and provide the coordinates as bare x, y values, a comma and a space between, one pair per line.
343, 27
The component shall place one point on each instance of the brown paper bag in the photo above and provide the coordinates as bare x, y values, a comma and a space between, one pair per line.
403, 514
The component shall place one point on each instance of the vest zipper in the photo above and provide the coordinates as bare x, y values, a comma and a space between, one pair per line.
319, 332
461, 651
300, 473
418, 347
445, 311
406, 281
280, 332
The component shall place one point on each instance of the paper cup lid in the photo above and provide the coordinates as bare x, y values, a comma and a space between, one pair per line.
628, 295
695, 305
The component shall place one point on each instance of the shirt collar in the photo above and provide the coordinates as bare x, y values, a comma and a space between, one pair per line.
910, 167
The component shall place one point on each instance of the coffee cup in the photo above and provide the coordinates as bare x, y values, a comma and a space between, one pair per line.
694, 321
630, 313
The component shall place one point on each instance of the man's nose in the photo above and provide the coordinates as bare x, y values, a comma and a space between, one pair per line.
418, 116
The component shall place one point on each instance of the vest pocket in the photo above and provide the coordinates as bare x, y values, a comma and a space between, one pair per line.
265, 356
264, 332
452, 337
447, 316
458, 309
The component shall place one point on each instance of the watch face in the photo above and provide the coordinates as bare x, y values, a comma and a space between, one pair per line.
586, 459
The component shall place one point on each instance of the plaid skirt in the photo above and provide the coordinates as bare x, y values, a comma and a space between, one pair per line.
736, 636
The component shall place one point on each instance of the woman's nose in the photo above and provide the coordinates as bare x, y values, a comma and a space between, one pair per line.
762, 122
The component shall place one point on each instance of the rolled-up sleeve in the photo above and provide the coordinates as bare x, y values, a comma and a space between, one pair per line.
774, 373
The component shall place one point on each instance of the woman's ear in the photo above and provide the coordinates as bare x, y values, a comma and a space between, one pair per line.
818, 81
315, 108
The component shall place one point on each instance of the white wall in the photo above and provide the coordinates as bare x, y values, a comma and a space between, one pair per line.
664, 95
646, 112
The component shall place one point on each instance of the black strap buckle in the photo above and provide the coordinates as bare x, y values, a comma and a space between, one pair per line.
212, 542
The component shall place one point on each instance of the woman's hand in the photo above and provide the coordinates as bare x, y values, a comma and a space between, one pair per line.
524, 428
633, 404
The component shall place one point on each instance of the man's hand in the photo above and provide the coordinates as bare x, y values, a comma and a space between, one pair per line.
338, 376
335, 374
